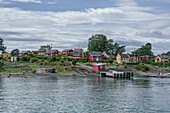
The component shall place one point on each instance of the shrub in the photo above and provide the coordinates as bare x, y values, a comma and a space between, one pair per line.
39, 56
33, 60
34, 71
51, 59
25, 58
74, 62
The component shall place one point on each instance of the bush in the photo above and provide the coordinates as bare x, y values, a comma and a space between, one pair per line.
142, 68
33, 60
39, 56
25, 58
51, 59
34, 71
74, 62
1, 64
1, 57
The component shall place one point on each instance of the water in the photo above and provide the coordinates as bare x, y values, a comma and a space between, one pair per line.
84, 95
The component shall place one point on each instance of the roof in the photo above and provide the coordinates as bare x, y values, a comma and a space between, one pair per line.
50, 51
99, 64
41, 50
78, 49
124, 55
22, 52
35, 51
96, 54
165, 57
108, 53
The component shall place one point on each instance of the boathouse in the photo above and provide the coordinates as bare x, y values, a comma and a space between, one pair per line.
99, 67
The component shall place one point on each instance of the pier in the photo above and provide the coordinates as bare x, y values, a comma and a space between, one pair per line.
117, 73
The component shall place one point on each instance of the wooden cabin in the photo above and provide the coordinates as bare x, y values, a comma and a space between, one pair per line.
96, 56
67, 52
78, 53
99, 67
6, 54
120, 58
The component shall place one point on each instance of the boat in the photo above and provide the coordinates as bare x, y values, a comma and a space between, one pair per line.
160, 75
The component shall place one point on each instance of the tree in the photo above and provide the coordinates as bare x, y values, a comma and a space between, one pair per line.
117, 49
46, 47
100, 43
2, 47
15, 52
144, 50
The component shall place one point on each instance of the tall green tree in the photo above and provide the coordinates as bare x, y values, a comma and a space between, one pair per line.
100, 43
15, 52
46, 47
2, 47
144, 50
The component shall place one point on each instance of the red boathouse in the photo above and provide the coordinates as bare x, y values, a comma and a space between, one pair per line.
98, 67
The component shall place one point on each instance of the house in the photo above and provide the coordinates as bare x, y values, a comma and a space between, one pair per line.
35, 52
96, 56
108, 54
162, 58
6, 54
24, 53
67, 52
143, 58
51, 53
42, 51
120, 58
78, 53
99, 67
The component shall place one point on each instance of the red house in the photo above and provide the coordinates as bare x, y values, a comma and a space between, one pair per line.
142, 58
99, 67
23, 53
51, 53
35, 52
96, 56
67, 52
78, 53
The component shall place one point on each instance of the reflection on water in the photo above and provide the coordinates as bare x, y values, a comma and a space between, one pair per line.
81, 94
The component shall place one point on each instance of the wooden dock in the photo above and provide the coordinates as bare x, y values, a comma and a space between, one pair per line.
116, 73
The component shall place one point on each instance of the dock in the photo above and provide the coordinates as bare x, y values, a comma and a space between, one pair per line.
117, 73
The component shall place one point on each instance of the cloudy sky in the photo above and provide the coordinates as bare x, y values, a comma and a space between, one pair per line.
28, 24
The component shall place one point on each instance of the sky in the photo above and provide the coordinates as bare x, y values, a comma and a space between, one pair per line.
65, 24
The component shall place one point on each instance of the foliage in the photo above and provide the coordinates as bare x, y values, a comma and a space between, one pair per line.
2, 47
74, 62
1, 57
15, 52
33, 60
100, 43
144, 50
25, 58
34, 71
46, 47
1, 64
51, 59
39, 56
168, 53
142, 68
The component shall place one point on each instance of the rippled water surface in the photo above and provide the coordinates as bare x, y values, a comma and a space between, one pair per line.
84, 94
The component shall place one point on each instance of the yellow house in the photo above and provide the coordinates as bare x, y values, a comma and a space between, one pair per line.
163, 58
120, 58
42, 51
108, 54
6, 54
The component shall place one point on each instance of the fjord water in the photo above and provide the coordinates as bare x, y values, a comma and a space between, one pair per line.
84, 94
